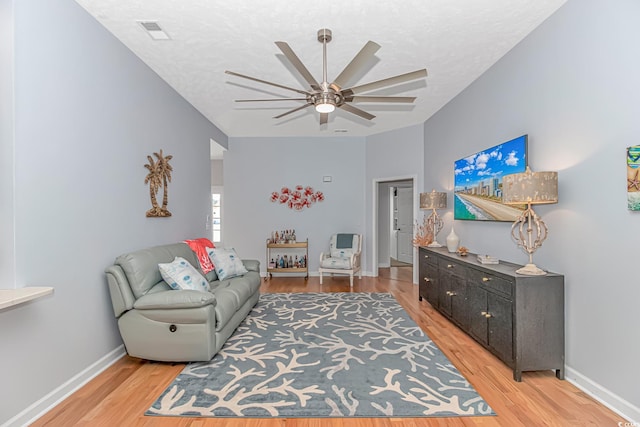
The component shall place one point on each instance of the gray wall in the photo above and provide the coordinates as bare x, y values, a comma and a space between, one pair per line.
392, 155
87, 113
217, 173
7, 251
256, 167
573, 86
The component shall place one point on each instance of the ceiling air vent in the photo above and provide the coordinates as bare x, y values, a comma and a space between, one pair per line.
154, 30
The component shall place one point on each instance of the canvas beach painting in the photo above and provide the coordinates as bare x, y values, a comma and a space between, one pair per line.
633, 178
478, 181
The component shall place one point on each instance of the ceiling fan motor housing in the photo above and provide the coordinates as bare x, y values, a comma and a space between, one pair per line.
324, 35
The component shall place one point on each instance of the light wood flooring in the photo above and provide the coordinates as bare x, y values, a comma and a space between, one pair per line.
122, 393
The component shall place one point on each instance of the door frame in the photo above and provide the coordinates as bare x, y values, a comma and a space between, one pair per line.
405, 233
374, 216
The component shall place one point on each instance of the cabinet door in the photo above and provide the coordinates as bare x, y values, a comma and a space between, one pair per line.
444, 292
452, 290
459, 303
423, 278
500, 326
431, 284
478, 322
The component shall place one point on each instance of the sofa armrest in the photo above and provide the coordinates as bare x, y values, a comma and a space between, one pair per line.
251, 264
174, 300
122, 297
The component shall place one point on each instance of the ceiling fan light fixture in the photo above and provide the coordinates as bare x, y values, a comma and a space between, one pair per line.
325, 107
326, 102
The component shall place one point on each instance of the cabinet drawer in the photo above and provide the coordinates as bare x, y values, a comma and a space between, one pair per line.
452, 267
490, 281
428, 258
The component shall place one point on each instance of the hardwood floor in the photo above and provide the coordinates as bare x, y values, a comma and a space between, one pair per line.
122, 393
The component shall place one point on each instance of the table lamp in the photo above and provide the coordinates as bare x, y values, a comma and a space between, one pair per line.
434, 200
529, 231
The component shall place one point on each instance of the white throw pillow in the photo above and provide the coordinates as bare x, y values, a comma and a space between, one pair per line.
179, 274
227, 262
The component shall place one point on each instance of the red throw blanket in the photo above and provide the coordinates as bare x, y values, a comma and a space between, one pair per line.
199, 246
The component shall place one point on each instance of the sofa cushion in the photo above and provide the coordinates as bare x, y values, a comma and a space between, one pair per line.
227, 263
241, 287
141, 267
226, 306
211, 276
179, 274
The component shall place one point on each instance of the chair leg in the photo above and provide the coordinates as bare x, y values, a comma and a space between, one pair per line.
351, 280
320, 277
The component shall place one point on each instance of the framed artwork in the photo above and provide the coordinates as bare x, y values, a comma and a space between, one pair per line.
478, 182
633, 178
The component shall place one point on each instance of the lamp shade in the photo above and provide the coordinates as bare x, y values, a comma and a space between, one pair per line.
433, 200
535, 188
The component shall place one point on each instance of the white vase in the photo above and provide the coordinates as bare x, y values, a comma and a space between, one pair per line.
452, 241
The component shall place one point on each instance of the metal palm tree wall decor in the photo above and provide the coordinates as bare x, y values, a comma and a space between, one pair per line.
159, 176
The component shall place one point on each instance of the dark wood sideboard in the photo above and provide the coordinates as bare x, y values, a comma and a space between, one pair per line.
520, 319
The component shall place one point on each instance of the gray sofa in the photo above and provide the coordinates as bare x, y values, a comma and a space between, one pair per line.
159, 323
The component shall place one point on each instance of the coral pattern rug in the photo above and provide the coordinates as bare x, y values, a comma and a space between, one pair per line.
324, 355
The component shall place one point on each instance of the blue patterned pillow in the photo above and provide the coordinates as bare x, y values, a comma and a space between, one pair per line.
226, 262
179, 274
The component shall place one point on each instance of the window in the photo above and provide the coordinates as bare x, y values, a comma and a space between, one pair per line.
216, 216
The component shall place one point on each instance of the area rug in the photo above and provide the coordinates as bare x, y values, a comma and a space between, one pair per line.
300, 355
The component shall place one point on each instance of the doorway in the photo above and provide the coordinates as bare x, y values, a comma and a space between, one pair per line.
393, 217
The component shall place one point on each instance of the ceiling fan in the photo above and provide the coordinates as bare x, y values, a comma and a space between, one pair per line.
325, 96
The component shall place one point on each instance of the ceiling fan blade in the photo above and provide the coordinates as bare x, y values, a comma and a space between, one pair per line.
324, 118
267, 83
271, 99
358, 112
295, 61
358, 61
397, 99
309, 104
414, 75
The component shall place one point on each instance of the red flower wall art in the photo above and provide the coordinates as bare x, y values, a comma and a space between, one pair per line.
297, 198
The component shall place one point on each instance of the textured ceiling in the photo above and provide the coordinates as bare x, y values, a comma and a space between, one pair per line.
456, 40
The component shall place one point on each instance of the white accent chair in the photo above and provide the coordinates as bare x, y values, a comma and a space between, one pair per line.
343, 256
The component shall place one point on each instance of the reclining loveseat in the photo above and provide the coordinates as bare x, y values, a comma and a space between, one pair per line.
159, 323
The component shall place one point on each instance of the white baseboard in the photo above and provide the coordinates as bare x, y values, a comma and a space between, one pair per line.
611, 400
44, 405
